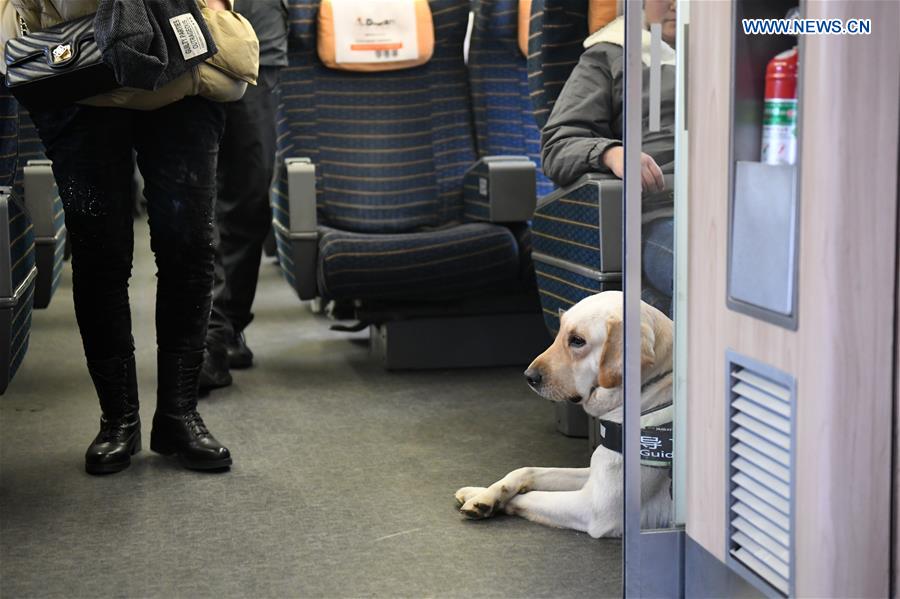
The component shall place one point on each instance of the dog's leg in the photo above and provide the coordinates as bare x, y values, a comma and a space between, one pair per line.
568, 509
478, 502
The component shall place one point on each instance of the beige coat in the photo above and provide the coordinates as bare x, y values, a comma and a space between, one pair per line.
223, 78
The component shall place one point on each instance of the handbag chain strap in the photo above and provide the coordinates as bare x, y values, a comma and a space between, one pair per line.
22, 24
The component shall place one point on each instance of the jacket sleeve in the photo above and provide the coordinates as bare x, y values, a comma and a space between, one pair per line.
580, 128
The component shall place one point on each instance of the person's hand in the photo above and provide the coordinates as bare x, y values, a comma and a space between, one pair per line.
651, 175
218, 4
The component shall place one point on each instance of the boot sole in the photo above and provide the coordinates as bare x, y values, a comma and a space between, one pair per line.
239, 362
113, 468
167, 450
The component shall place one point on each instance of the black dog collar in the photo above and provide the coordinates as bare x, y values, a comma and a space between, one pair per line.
656, 441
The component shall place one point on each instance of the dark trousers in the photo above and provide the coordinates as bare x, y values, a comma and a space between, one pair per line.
92, 150
659, 263
243, 214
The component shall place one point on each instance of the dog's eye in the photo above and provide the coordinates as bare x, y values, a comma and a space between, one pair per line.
576, 341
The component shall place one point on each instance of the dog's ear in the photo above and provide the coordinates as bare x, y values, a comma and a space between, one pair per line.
561, 312
609, 373
648, 345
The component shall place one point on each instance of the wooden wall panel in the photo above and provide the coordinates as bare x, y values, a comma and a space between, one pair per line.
895, 591
896, 574
708, 114
847, 285
841, 353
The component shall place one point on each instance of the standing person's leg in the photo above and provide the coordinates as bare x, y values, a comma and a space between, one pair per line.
177, 148
243, 217
91, 153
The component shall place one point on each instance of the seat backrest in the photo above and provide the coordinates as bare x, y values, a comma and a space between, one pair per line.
21, 230
390, 148
17, 255
30, 148
557, 32
498, 76
17, 284
9, 137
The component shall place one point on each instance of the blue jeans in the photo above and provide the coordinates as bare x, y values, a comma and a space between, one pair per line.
659, 265
177, 147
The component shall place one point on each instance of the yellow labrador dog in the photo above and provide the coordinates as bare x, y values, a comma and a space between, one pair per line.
584, 366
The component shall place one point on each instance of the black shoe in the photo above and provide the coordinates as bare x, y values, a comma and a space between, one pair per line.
177, 427
214, 373
239, 355
120, 426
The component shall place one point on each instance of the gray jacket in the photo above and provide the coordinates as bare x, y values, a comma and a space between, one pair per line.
270, 21
587, 117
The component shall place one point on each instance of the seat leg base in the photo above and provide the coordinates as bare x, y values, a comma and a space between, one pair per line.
459, 342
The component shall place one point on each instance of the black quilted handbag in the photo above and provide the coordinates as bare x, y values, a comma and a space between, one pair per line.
57, 66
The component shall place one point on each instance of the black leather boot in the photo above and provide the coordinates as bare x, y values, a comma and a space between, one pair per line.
120, 426
177, 427
239, 355
214, 373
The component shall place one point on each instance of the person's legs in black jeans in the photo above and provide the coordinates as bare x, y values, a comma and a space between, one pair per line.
177, 148
243, 218
91, 149
180, 187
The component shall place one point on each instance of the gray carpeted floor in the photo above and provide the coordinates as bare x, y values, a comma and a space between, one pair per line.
342, 485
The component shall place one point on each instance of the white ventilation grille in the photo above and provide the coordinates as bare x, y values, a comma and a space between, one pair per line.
761, 446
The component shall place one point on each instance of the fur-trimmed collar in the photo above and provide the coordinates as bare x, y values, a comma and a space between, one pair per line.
614, 33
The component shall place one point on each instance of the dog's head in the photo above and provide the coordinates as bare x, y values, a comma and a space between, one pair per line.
584, 363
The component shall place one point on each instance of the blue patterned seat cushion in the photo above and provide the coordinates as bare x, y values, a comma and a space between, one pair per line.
451, 262
504, 119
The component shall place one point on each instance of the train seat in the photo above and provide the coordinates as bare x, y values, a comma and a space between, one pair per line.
505, 123
577, 230
35, 184
498, 79
17, 252
369, 203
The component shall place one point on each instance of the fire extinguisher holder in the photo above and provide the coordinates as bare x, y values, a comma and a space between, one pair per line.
763, 203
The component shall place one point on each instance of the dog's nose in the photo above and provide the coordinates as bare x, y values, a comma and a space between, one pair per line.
533, 376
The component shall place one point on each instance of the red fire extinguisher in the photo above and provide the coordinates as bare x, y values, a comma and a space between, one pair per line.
779, 137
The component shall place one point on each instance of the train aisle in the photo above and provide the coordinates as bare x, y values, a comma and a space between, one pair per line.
342, 485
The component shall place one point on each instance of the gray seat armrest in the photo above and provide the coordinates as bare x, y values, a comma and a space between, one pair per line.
298, 229
501, 189
40, 193
301, 173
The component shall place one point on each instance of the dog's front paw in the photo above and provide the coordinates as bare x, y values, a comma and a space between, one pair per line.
479, 505
467, 493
